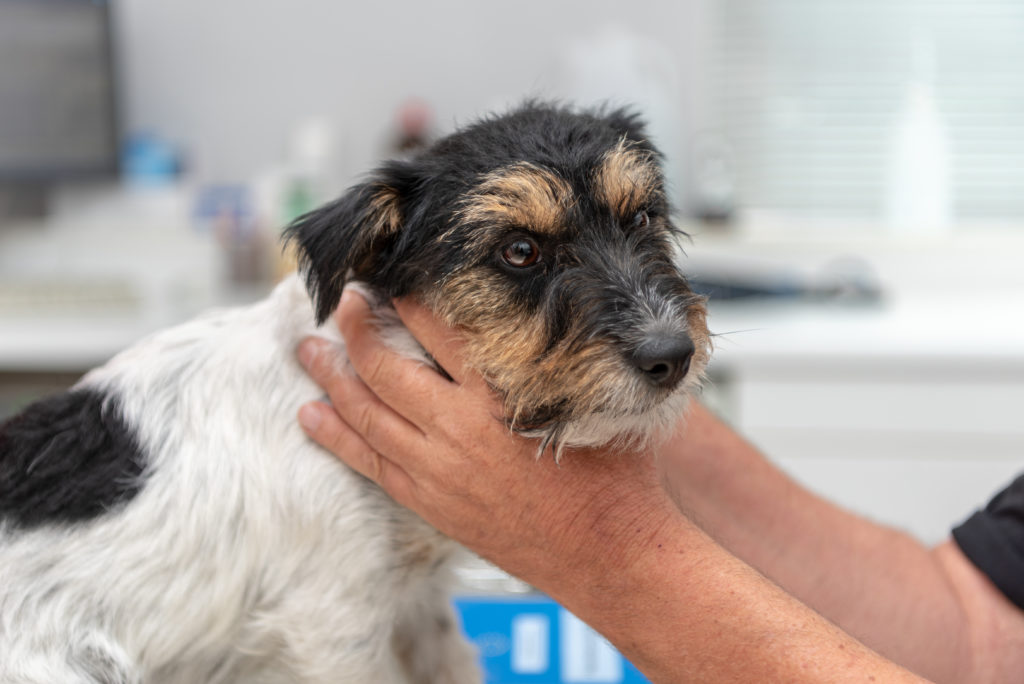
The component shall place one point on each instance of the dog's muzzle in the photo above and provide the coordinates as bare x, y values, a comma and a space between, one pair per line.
663, 359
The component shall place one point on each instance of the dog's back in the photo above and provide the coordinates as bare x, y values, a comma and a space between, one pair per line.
215, 543
169, 522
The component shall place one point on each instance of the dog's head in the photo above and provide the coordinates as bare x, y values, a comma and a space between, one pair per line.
544, 235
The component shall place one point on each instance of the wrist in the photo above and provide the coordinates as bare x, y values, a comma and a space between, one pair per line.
608, 542
682, 608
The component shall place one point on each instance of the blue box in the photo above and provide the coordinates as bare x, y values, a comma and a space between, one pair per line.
533, 640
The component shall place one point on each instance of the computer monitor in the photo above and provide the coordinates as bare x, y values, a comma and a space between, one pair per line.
58, 113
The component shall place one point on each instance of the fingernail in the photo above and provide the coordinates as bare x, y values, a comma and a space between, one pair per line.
346, 296
310, 418
307, 352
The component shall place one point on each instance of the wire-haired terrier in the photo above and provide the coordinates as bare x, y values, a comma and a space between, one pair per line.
166, 520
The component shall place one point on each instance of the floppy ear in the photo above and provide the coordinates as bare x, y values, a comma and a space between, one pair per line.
340, 240
627, 122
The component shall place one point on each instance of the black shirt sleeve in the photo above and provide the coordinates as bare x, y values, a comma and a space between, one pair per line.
993, 539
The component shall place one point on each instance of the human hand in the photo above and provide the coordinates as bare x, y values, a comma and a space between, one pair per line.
588, 531
440, 448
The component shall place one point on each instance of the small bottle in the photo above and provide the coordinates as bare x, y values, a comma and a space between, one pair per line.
918, 199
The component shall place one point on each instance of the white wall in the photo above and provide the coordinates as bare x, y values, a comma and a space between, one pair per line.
228, 79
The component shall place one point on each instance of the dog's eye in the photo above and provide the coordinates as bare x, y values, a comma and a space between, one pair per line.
641, 220
521, 253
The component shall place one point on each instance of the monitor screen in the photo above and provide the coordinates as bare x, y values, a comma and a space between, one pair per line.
57, 102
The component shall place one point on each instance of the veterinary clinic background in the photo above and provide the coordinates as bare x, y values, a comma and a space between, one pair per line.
849, 172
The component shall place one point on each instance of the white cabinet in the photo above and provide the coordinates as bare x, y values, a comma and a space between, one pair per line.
915, 452
910, 411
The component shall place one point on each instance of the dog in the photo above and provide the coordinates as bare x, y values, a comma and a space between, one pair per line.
166, 520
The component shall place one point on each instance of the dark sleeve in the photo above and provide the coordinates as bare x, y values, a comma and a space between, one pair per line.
993, 539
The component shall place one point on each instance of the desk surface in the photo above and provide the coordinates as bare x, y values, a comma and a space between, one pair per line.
924, 321
952, 335
965, 334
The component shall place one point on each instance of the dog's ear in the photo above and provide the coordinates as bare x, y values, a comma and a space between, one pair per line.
627, 123
342, 239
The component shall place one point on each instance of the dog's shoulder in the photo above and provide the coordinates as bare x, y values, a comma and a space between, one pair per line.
79, 454
66, 458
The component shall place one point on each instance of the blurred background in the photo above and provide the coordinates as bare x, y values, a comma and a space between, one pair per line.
851, 173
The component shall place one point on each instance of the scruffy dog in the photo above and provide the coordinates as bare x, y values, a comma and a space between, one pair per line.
166, 520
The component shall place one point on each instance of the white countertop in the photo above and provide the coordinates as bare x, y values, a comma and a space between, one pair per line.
144, 250
59, 340
957, 334
952, 306
955, 306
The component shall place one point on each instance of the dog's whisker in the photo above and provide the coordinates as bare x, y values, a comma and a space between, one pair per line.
734, 332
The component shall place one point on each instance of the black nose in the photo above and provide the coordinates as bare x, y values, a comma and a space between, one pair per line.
664, 359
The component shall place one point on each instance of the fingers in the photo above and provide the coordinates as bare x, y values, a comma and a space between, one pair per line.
325, 427
409, 387
441, 342
358, 428
357, 405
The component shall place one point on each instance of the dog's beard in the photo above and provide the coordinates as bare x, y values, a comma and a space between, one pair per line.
627, 428
607, 405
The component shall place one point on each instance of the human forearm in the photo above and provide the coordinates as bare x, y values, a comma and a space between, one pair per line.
597, 531
878, 584
686, 610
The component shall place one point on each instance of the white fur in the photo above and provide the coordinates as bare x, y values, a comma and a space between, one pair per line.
250, 555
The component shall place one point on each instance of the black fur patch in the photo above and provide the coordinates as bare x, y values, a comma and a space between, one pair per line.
67, 458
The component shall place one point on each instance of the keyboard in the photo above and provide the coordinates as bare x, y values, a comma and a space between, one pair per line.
69, 297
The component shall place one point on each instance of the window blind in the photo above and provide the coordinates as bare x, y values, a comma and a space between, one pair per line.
810, 96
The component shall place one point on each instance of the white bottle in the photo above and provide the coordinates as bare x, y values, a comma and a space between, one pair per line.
919, 199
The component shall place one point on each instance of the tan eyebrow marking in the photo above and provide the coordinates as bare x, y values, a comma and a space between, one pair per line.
628, 179
522, 194
383, 205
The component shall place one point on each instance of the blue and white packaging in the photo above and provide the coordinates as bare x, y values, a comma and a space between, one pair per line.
533, 640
